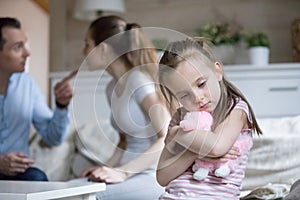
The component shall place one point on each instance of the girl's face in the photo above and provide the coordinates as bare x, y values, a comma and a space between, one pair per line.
195, 85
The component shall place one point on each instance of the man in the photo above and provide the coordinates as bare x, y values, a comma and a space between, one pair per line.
22, 104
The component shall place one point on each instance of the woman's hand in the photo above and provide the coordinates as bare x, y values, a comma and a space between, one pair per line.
104, 174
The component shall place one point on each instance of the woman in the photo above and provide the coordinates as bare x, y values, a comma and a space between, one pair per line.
137, 110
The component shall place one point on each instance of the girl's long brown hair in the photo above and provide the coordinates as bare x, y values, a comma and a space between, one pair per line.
180, 51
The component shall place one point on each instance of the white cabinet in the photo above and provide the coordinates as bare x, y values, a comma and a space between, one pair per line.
89, 102
272, 90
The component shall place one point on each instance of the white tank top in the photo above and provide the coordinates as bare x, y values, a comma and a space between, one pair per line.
127, 115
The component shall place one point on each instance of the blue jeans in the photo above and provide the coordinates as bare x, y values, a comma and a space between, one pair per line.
31, 174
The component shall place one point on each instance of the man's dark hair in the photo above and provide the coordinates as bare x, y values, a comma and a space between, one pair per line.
7, 22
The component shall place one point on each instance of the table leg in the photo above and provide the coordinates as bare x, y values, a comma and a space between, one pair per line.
89, 196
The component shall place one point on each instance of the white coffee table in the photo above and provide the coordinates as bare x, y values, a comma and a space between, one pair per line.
35, 190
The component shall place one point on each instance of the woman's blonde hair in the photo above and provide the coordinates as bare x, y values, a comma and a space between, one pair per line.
131, 43
180, 51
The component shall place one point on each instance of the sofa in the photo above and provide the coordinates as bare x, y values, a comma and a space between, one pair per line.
79, 150
273, 159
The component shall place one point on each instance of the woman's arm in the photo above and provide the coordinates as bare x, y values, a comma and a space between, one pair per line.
217, 143
118, 152
160, 118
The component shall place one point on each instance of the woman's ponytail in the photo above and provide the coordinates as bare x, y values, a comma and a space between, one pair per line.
143, 53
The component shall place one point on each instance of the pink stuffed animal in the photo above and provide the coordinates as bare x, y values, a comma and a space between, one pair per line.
202, 120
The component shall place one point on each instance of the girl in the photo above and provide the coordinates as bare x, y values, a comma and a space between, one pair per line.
190, 75
137, 111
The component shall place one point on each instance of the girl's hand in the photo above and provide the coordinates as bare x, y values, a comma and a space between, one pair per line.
104, 174
232, 154
174, 124
177, 117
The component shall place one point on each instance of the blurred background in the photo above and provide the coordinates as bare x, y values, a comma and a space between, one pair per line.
56, 28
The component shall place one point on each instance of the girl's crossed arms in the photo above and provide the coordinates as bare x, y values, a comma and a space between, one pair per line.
191, 77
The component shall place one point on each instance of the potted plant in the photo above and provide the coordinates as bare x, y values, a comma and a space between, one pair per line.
258, 45
224, 36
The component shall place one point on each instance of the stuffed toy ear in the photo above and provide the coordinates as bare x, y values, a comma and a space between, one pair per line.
199, 120
205, 120
189, 122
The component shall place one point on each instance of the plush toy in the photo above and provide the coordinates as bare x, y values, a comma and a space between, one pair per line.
294, 191
202, 120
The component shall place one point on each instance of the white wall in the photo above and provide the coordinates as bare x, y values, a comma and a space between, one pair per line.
35, 23
272, 16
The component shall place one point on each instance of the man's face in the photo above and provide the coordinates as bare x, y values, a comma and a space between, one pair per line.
14, 52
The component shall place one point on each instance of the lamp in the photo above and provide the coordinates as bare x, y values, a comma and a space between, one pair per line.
91, 9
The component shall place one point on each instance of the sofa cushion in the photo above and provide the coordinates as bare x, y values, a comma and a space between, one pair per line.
273, 157
55, 161
95, 143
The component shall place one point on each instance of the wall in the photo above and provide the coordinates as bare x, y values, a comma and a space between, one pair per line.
272, 16
35, 23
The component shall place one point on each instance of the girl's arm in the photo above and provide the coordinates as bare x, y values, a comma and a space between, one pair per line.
173, 160
160, 119
171, 166
217, 143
